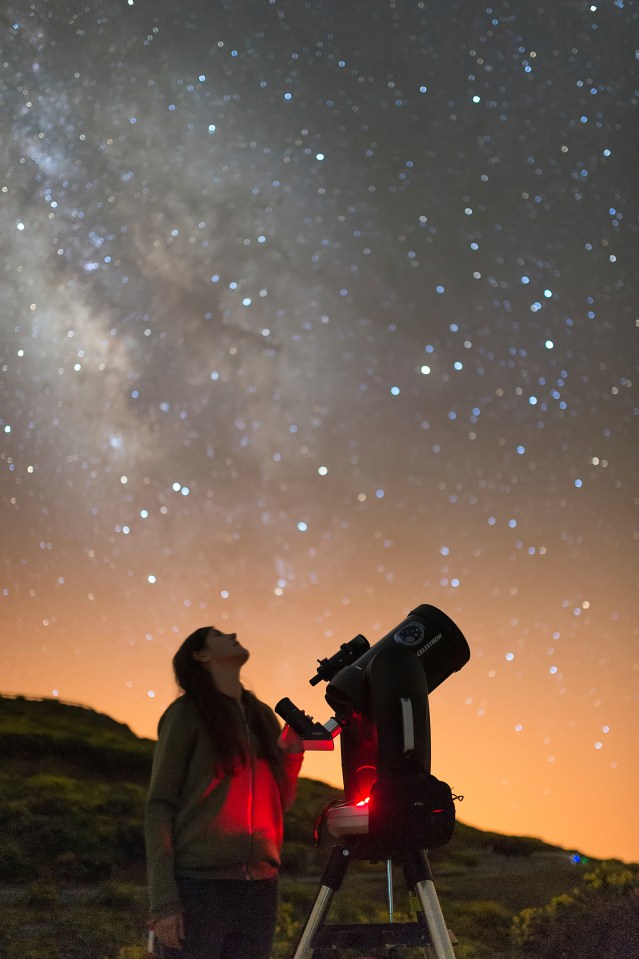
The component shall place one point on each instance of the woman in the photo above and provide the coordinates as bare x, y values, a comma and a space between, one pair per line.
223, 774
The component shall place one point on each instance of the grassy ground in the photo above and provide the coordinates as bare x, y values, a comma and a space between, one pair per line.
51, 920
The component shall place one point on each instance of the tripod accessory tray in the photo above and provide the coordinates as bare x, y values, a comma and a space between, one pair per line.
349, 819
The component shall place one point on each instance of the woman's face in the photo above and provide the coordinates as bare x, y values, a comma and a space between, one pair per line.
224, 648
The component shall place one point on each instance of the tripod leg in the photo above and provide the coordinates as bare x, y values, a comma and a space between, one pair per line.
314, 922
420, 878
331, 881
434, 919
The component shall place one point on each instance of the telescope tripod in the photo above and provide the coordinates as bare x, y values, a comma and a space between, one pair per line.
429, 930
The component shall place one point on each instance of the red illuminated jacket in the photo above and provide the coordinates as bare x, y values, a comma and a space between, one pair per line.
200, 824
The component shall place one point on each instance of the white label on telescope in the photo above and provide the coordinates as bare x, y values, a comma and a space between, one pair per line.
408, 726
410, 634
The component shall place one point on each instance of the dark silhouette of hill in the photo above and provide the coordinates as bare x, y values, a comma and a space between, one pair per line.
77, 777
46, 735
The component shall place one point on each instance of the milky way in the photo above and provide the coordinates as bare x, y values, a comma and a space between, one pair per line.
313, 312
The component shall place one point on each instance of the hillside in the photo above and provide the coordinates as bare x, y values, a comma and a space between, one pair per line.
46, 735
58, 758
72, 790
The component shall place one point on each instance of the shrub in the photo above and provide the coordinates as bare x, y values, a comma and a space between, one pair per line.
597, 919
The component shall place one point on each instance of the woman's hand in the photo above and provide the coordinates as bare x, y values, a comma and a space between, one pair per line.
170, 930
289, 741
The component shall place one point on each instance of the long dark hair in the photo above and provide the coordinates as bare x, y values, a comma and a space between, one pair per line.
220, 717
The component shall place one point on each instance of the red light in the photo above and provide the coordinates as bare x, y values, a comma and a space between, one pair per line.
363, 802
438, 810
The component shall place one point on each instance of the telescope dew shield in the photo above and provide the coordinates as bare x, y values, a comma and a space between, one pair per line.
428, 633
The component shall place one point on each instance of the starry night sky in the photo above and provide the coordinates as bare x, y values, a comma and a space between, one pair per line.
313, 312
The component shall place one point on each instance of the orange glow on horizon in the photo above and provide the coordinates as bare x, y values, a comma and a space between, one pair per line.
543, 780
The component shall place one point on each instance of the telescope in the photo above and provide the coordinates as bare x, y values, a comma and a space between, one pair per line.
393, 808
379, 695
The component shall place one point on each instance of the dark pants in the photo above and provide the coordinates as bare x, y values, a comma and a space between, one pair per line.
227, 919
